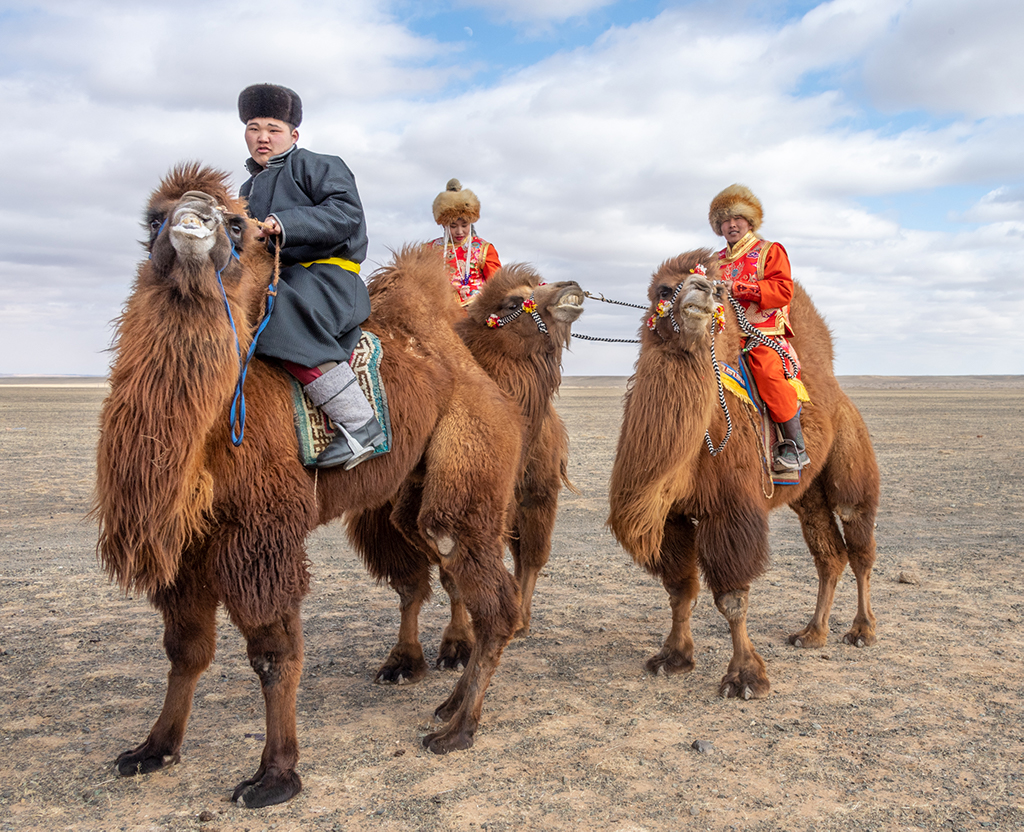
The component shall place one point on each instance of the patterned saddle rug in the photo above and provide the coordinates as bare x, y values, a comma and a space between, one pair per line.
315, 430
741, 383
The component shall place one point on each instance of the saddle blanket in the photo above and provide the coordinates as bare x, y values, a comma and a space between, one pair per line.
741, 383
315, 430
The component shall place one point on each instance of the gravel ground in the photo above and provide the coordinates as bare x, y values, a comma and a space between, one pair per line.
922, 731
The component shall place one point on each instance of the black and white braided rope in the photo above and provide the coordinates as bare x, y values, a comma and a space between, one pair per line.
789, 364
721, 401
603, 299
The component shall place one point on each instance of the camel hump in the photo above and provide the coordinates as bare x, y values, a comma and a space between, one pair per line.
412, 293
453, 185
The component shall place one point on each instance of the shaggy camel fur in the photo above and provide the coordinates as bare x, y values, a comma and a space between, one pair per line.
525, 361
194, 522
677, 510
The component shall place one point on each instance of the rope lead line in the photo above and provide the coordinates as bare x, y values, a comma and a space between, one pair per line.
236, 416
721, 401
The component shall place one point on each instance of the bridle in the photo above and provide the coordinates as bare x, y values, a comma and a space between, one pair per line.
667, 307
528, 305
236, 415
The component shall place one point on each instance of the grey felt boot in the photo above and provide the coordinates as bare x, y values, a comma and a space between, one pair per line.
337, 394
790, 453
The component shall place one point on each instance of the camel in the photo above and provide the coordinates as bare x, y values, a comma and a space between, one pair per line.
678, 510
193, 521
523, 355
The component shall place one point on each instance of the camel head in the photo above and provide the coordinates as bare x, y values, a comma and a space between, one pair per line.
517, 308
195, 229
685, 299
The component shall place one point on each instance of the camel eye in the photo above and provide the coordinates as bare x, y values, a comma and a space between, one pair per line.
236, 230
664, 292
511, 304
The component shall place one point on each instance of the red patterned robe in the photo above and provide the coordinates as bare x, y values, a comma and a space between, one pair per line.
483, 263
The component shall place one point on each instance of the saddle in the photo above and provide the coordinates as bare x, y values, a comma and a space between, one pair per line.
315, 430
741, 383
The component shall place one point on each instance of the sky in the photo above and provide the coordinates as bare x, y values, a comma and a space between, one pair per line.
885, 139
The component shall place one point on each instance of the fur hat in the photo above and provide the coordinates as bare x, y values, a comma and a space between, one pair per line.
454, 202
735, 201
270, 101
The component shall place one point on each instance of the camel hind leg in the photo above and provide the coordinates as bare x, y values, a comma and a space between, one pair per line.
851, 485
830, 557
491, 599
471, 467
189, 609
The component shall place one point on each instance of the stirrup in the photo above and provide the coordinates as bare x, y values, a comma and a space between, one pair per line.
349, 450
795, 460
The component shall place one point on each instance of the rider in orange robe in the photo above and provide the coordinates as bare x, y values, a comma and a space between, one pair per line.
759, 277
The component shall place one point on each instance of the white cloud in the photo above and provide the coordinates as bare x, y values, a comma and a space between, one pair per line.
950, 57
594, 164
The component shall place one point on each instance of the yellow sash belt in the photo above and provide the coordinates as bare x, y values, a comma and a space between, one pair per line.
347, 265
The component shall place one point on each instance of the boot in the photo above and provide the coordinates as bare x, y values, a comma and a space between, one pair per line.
337, 394
790, 453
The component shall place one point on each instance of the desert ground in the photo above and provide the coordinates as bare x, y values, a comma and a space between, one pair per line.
925, 730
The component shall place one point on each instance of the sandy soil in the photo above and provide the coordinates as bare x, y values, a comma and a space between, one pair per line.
923, 731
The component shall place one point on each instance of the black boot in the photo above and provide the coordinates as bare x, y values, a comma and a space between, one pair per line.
790, 453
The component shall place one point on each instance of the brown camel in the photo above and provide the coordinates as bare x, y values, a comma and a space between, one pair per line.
523, 355
194, 522
678, 510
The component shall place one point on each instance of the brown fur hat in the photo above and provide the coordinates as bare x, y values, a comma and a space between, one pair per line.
735, 201
454, 202
270, 101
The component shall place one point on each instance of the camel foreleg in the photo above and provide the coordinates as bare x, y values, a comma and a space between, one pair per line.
747, 676
457, 640
677, 568
390, 555
533, 524
189, 609
275, 652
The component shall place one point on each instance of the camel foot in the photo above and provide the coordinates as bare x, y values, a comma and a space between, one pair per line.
267, 789
809, 637
860, 636
402, 668
744, 684
144, 760
669, 662
453, 654
450, 738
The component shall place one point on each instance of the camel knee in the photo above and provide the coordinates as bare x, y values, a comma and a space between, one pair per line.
192, 655
443, 542
733, 605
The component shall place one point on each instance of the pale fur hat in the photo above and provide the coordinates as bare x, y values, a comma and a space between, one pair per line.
735, 201
454, 202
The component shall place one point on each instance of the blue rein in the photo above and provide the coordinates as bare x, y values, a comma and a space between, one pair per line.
237, 414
